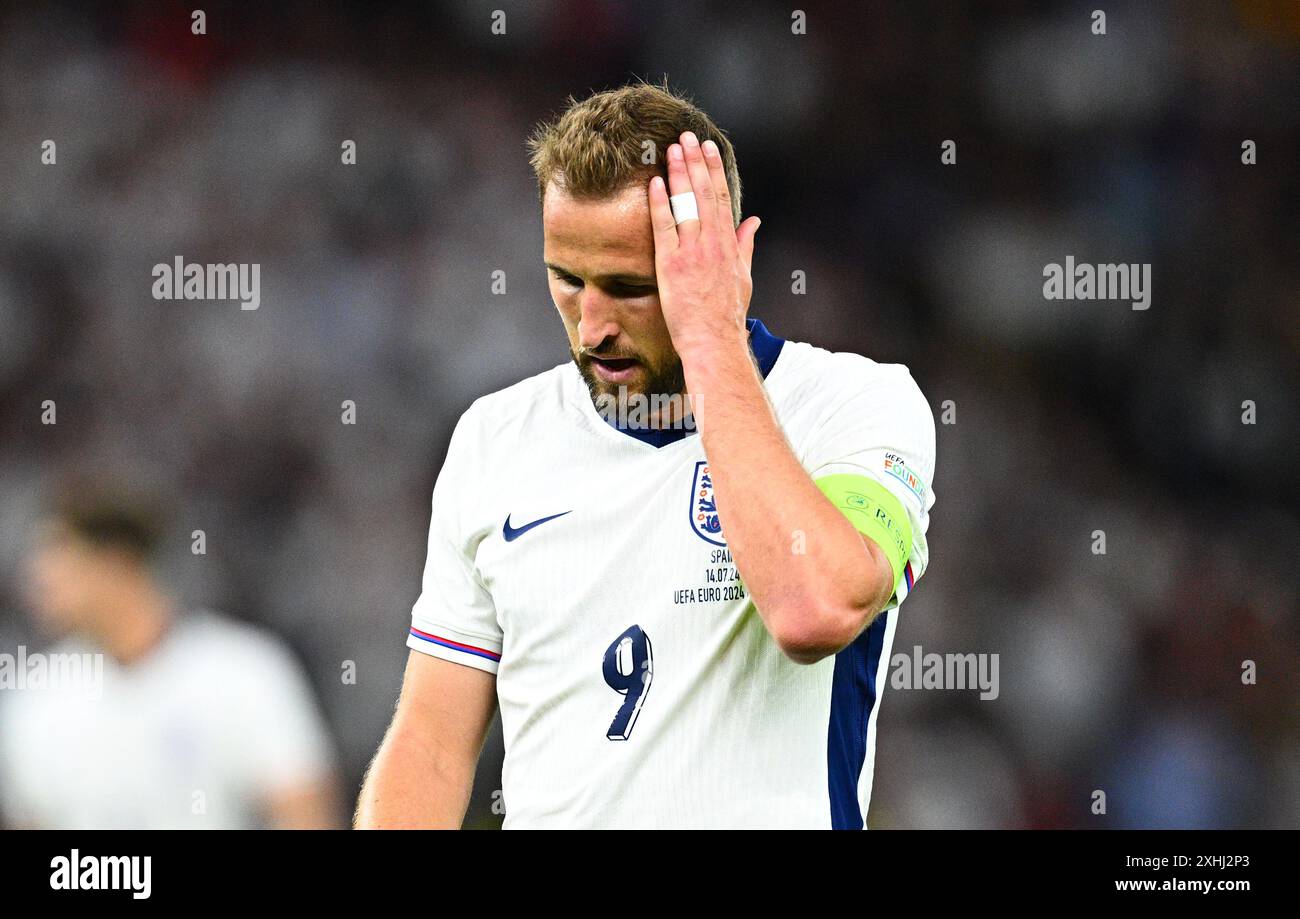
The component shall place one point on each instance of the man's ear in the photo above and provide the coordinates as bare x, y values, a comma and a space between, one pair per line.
745, 239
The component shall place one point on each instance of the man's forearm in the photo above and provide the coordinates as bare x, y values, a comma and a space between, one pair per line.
409, 786
814, 580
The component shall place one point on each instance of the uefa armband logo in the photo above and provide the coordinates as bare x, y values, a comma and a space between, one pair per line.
704, 510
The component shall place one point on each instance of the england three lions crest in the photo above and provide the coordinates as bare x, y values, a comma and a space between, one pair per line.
704, 510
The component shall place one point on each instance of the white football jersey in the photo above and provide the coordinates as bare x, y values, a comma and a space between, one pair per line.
194, 735
585, 566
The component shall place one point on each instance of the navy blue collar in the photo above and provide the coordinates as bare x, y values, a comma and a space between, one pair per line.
765, 345
766, 348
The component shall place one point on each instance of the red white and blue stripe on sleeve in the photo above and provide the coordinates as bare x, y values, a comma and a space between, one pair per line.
442, 641
905, 585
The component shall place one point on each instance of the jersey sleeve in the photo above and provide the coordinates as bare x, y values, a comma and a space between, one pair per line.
873, 456
454, 617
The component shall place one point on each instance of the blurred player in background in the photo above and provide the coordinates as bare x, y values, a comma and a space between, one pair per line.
200, 722
684, 610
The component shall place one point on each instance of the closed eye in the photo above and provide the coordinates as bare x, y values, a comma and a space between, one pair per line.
566, 278
613, 287
634, 290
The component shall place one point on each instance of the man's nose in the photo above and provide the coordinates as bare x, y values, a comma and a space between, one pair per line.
598, 318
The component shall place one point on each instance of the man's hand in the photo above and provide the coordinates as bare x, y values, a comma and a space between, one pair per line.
813, 603
702, 266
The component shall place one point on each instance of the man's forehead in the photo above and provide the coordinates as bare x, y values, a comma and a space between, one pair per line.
612, 226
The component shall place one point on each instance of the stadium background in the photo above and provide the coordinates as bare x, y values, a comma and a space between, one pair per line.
1118, 672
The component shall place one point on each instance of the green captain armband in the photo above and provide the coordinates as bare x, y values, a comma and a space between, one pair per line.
875, 512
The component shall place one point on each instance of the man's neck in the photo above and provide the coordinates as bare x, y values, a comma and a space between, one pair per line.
134, 624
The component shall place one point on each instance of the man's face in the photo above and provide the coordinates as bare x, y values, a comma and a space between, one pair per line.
67, 577
600, 261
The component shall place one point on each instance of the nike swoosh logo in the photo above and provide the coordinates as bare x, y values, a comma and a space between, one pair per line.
513, 533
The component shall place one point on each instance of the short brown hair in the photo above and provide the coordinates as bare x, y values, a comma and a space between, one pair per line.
110, 515
596, 147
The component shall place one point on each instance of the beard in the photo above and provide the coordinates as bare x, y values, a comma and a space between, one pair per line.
656, 381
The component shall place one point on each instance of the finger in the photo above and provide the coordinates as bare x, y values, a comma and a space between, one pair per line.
701, 184
661, 217
679, 183
718, 176
745, 240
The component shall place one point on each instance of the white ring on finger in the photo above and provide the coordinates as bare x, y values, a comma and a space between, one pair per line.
684, 207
